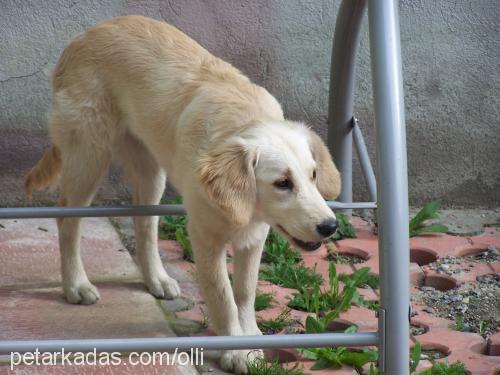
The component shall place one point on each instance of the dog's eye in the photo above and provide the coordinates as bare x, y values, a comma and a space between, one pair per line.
314, 174
284, 184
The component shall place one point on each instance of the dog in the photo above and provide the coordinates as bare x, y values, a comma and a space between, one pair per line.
142, 93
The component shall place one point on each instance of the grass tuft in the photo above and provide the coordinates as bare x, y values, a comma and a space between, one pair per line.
263, 301
261, 367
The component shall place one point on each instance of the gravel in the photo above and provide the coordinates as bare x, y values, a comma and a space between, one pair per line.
474, 307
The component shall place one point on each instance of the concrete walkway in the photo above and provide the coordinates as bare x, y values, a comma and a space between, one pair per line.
32, 305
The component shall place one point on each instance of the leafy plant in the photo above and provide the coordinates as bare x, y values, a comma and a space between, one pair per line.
278, 324
344, 227
419, 225
335, 357
169, 224
261, 367
415, 356
278, 250
263, 301
287, 274
372, 281
335, 299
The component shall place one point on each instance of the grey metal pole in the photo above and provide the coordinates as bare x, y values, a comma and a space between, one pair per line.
392, 184
341, 100
184, 343
166, 209
364, 160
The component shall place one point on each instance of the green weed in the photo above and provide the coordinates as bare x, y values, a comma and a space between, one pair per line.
335, 299
263, 301
459, 325
444, 368
261, 367
278, 250
335, 357
287, 274
276, 325
344, 227
419, 224
174, 228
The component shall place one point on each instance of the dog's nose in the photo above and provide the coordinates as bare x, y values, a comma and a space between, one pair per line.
327, 227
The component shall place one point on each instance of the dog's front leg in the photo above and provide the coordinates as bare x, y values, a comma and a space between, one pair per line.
211, 266
247, 246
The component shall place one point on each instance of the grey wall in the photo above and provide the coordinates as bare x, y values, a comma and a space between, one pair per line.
450, 56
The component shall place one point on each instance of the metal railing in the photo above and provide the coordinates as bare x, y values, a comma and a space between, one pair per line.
392, 204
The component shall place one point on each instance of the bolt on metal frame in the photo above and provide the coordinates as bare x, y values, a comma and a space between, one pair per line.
392, 191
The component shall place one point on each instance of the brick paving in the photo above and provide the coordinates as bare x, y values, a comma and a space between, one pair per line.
32, 306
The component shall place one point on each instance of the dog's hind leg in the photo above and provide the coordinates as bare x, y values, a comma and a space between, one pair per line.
83, 167
148, 183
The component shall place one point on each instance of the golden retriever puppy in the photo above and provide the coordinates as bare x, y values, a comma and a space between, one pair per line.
143, 93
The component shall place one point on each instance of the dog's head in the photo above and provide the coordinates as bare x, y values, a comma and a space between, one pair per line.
280, 173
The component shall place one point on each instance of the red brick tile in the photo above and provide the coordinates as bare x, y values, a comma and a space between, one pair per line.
364, 318
416, 274
369, 245
442, 244
478, 269
474, 362
495, 267
171, 250
281, 295
494, 344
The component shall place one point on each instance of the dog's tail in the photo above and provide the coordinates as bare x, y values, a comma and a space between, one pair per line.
44, 173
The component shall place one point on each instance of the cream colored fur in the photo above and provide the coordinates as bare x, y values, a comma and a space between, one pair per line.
143, 93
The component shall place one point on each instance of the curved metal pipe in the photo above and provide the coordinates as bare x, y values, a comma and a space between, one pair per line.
341, 99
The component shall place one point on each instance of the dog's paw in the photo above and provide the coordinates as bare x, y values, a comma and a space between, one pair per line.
237, 360
82, 293
252, 329
164, 287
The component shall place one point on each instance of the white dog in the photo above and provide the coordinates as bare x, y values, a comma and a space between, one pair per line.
143, 93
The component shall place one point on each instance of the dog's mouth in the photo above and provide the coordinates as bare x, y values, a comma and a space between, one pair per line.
308, 246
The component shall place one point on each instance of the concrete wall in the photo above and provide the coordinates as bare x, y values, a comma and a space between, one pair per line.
450, 56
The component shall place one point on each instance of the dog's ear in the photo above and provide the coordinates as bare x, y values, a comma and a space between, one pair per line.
227, 175
328, 177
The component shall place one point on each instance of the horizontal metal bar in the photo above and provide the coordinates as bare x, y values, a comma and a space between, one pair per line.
49, 212
346, 206
159, 210
185, 343
364, 160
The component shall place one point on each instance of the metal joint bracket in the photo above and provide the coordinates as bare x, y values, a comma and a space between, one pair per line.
380, 314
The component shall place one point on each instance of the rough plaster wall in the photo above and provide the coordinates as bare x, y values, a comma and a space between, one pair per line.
450, 58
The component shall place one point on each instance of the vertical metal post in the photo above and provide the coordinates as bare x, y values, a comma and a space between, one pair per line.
341, 99
392, 182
